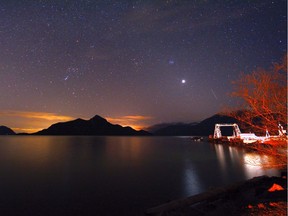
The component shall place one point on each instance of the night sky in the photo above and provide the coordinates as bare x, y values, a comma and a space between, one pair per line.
136, 63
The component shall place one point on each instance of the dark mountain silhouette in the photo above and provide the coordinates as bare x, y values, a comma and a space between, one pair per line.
175, 130
204, 128
6, 131
95, 126
157, 127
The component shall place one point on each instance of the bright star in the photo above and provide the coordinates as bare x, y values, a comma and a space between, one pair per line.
183, 81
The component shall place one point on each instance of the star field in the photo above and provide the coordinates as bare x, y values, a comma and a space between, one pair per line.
166, 61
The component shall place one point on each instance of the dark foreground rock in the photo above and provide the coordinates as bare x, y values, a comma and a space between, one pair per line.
251, 197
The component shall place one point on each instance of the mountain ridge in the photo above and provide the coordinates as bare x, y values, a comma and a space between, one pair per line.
203, 128
97, 125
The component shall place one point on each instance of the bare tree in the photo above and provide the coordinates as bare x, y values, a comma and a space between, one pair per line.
263, 106
263, 98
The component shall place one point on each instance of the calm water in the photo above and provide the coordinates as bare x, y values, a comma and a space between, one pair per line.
112, 175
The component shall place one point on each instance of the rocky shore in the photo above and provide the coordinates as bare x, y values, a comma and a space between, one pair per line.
258, 196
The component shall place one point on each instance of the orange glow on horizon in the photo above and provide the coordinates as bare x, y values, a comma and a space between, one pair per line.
135, 127
30, 122
137, 117
133, 121
26, 130
38, 115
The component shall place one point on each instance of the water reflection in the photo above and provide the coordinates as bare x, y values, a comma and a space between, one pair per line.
29, 152
255, 165
192, 183
128, 149
80, 175
250, 163
235, 154
221, 156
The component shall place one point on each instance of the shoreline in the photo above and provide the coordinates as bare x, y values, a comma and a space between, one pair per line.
242, 198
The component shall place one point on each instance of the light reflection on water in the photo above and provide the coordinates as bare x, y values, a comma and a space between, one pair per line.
192, 184
251, 162
82, 175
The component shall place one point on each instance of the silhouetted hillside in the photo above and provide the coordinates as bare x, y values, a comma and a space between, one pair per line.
204, 128
208, 124
157, 127
175, 130
95, 126
6, 131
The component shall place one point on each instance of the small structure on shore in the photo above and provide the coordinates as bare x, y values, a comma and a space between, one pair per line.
197, 138
237, 136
